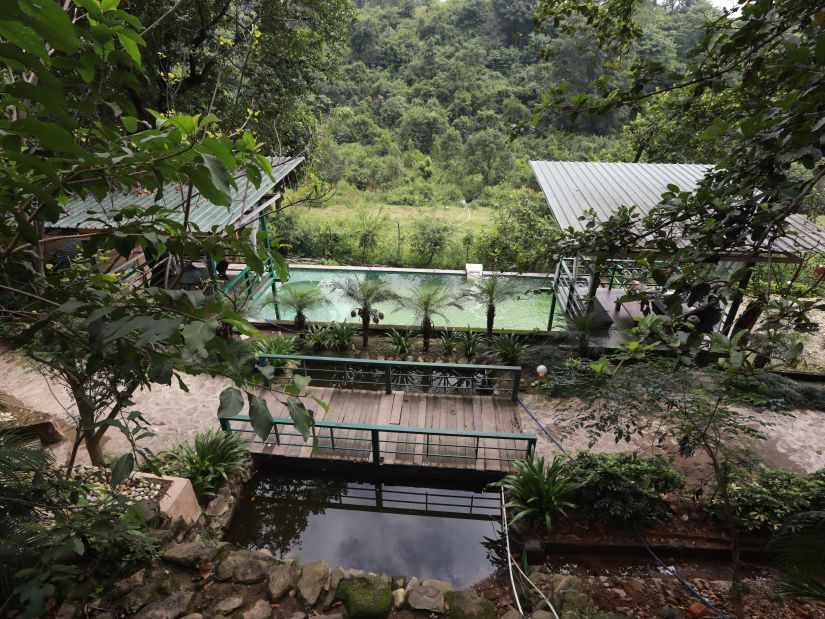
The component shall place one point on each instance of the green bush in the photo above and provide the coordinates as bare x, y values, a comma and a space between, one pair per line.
764, 500
623, 486
509, 348
448, 342
538, 491
469, 343
207, 462
316, 338
403, 342
341, 335
774, 391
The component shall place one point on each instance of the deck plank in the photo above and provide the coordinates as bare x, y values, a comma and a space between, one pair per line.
419, 422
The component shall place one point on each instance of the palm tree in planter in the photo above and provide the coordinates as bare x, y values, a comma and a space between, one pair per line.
301, 297
428, 302
365, 294
490, 292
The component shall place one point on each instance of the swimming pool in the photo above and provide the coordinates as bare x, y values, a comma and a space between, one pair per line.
530, 310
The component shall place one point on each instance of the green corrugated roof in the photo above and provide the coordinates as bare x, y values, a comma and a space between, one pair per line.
203, 215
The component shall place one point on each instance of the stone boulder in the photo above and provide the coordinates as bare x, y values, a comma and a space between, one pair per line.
259, 610
171, 607
463, 605
192, 554
282, 578
366, 597
244, 566
312, 581
422, 597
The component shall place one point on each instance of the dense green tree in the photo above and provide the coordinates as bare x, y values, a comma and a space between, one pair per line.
487, 153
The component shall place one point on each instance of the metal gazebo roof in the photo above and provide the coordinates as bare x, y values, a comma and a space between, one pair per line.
574, 187
91, 214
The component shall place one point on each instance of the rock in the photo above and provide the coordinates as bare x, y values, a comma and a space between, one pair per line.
397, 582
137, 599
441, 585
130, 582
312, 581
298, 615
191, 554
168, 608
421, 597
281, 579
192, 616
227, 605
511, 613
619, 593
463, 605
366, 597
412, 583
561, 585
335, 616
259, 610
218, 506
570, 614
542, 614
399, 598
335, 577
243, 566
66, 611
697, 610
108, 616
634, 585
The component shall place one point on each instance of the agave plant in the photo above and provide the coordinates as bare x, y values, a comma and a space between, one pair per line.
428, 302
449, 342
469, 343
491, 291
340, 335
278, 344
365, 294
537, 491
403, 342
301, 297
316, 338
509, 348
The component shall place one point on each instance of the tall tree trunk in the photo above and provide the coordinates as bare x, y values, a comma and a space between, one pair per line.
86, 425
426, 331
300, 323
491, 318
365, 328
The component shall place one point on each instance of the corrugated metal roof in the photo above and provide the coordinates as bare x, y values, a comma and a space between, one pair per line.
203, 215
574, 187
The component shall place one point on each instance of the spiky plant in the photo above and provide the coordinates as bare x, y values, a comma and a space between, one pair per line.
316, 338
800, 548
301, 297
403, 342
509, 348
491, 291
449, 342
538, 491
469, 342
365, 293
428, 302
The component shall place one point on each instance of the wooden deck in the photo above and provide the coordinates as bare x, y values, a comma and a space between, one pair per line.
402, 428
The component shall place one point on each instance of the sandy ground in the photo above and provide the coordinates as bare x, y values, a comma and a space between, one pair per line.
813, 357
795, 441
175, 416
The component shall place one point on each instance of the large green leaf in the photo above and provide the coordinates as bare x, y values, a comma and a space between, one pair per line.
196, 335
231, 402
301, 416
122, 468
260, 417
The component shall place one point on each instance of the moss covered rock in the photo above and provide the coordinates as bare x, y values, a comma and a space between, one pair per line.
463, 605
366, 597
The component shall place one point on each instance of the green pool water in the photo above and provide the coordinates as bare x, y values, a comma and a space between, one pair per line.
530, 310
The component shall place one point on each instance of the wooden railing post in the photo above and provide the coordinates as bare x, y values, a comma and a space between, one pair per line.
387, 378
531, 446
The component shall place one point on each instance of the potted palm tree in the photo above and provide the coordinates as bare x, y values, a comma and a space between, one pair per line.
428, 302
490, 292
365, 294
301, 297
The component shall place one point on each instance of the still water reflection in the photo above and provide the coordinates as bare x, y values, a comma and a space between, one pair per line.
446, 533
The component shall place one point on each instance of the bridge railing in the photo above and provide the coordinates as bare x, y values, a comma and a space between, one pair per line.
397, 440
414, 376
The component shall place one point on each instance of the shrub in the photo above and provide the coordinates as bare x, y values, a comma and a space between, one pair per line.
569, 378
763, 501
774, 391
623, 486
275, 345
509, 348
449, 342
316, 338
469, 343
403, 342
207, 462
341, 335
537, 491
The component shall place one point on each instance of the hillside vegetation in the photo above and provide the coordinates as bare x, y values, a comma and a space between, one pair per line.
425, 138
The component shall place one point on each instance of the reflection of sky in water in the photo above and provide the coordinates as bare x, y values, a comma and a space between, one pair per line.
300, 518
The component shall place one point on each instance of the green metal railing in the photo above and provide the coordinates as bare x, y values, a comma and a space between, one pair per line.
251, 284
370, 438
415, 376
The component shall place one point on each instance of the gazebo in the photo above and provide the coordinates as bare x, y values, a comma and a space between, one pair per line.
574, 189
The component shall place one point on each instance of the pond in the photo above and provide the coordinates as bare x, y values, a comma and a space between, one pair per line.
447, 533
530, 310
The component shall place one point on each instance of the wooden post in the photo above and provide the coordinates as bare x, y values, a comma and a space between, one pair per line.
516, 382
387, 379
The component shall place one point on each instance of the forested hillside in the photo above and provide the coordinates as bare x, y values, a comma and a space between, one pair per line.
426, 135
